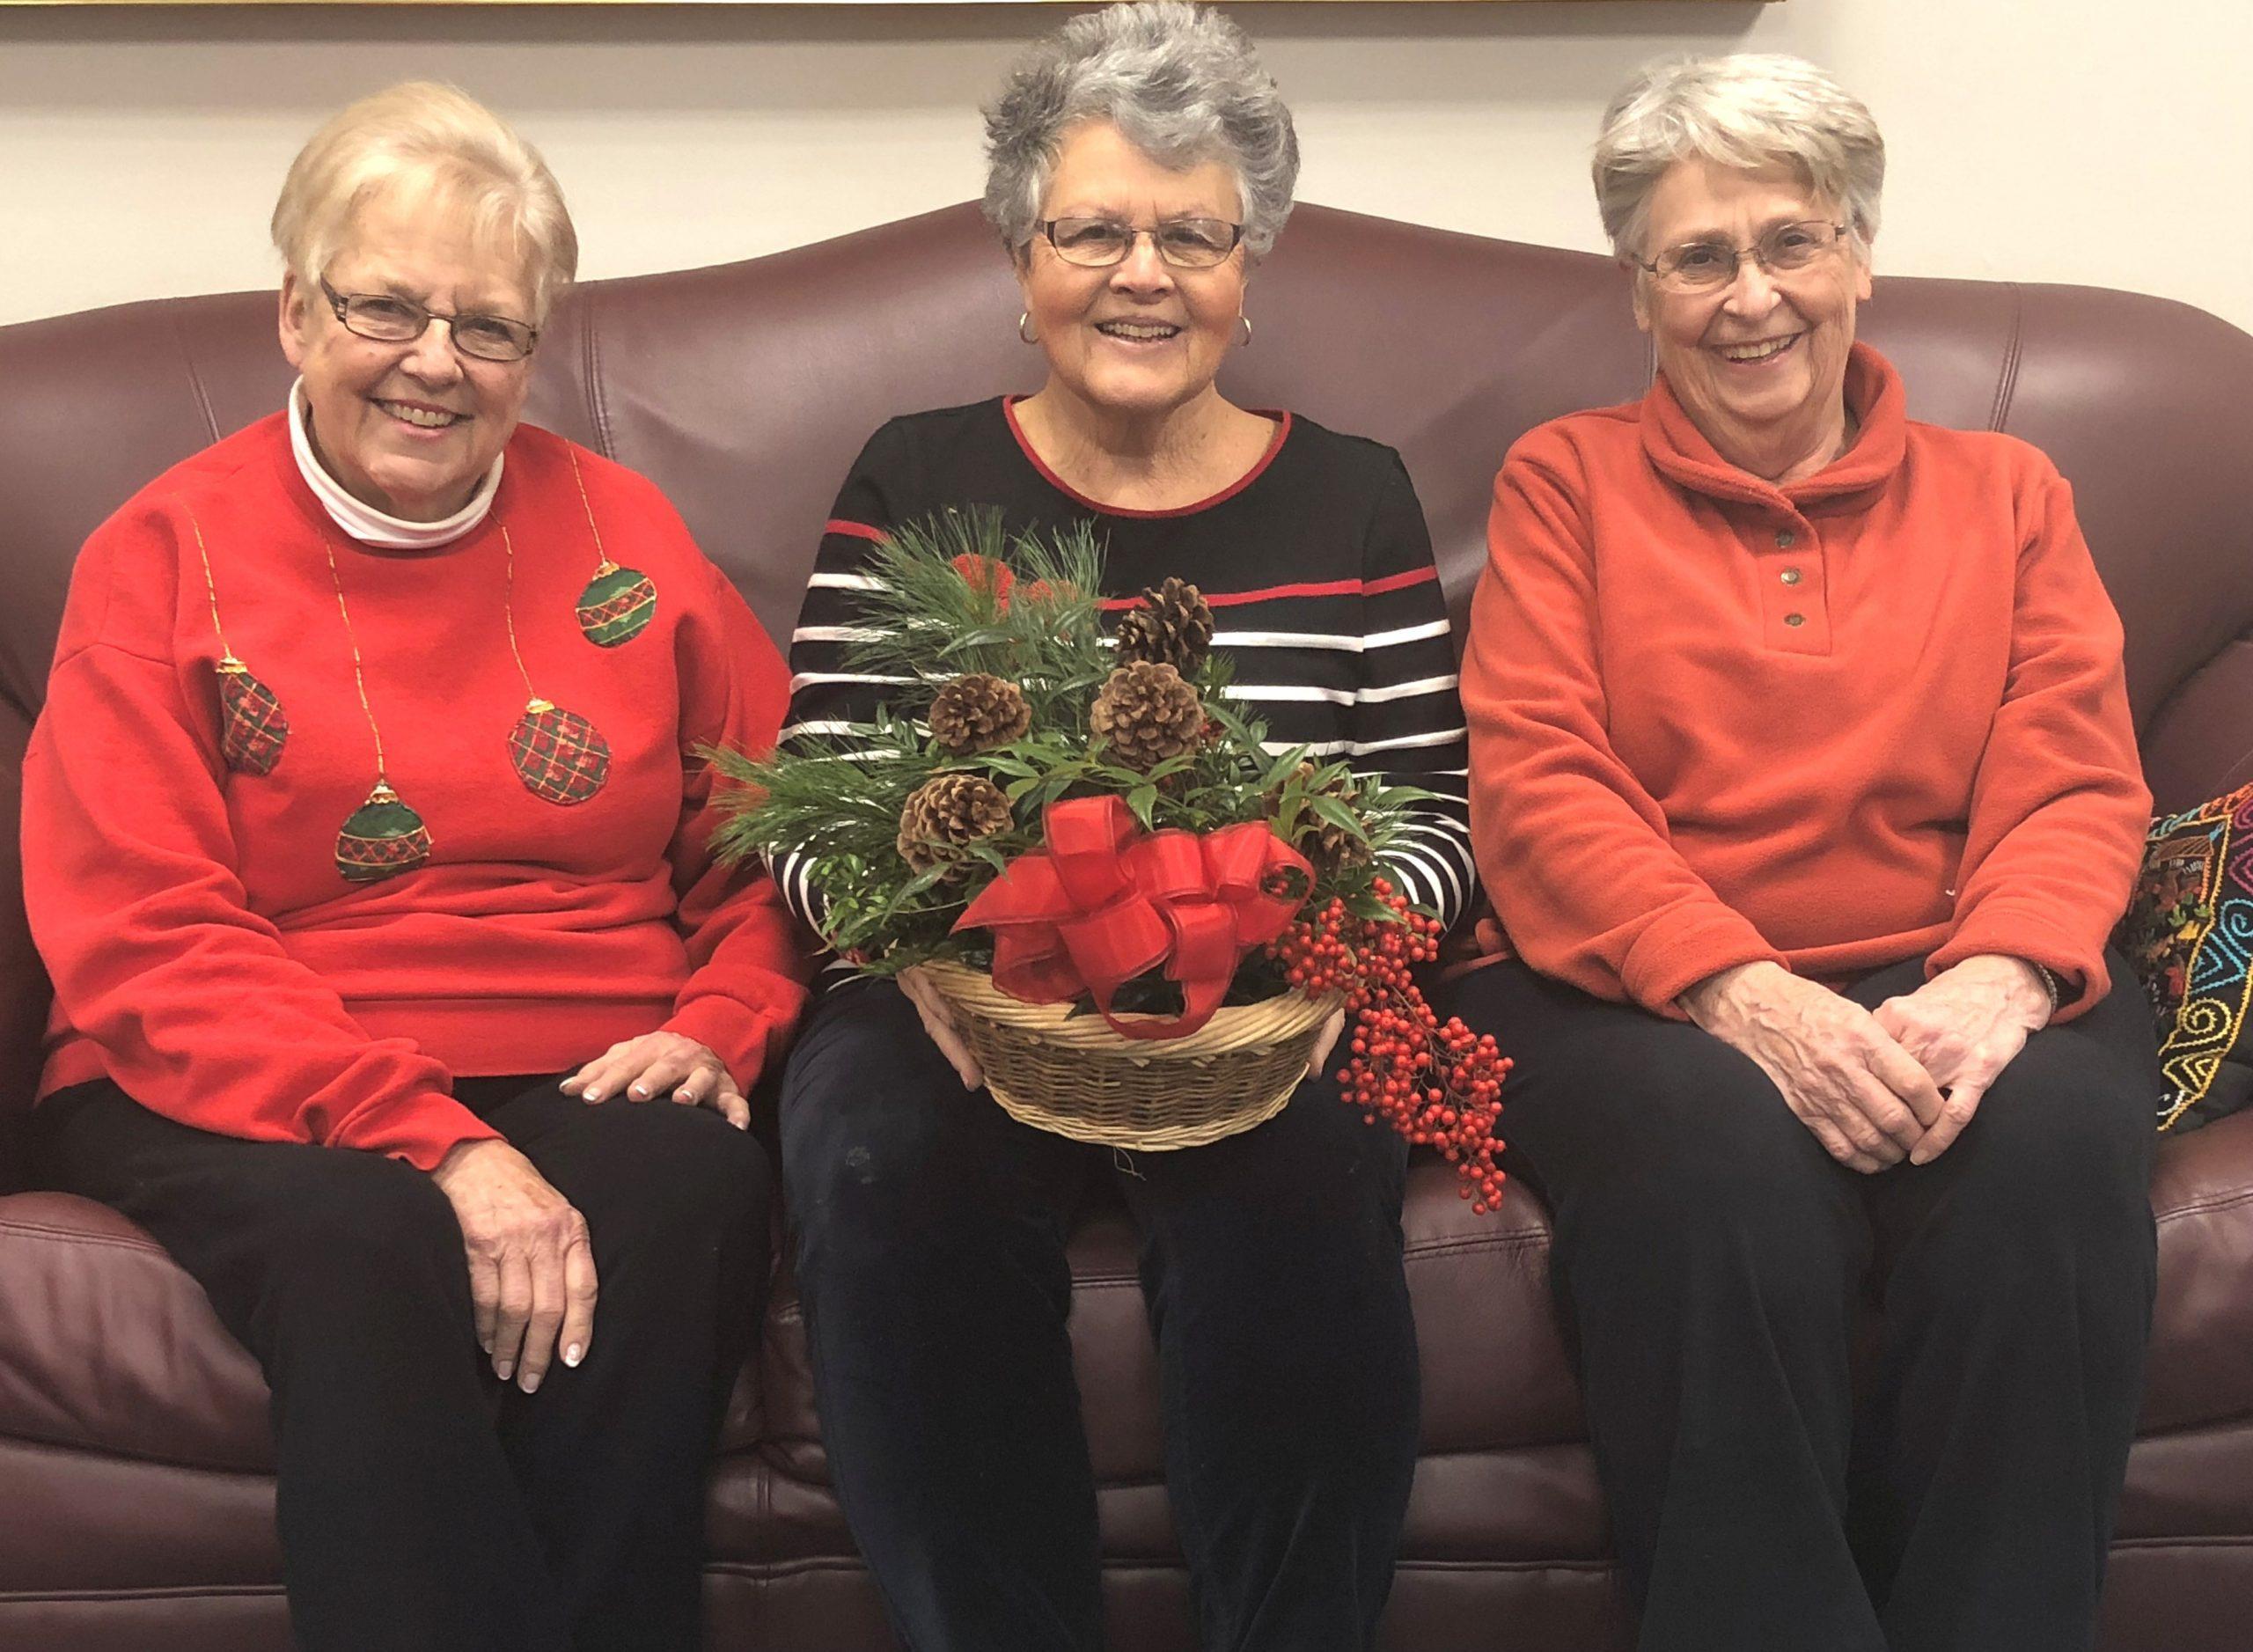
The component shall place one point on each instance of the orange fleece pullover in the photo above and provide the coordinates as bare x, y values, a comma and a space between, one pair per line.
1876, 713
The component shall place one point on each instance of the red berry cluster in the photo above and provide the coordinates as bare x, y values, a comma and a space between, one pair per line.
1438, 1085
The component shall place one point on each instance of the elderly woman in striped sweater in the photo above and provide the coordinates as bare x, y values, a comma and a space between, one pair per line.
931, 1224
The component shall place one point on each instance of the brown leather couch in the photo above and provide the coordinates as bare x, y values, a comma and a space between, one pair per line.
135, 1501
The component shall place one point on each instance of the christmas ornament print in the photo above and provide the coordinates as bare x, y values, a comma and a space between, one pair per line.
560, 757
617, 605
253, 727
382, 838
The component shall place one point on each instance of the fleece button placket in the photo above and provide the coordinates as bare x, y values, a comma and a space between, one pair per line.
1794, 610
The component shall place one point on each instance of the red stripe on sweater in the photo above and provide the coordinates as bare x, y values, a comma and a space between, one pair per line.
853, 530
1270, 593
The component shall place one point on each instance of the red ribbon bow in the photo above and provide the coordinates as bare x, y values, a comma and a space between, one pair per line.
1105, 902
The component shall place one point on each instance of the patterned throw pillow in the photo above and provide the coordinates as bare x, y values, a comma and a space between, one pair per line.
2190, 929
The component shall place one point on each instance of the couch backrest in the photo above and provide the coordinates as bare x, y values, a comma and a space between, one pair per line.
745, 390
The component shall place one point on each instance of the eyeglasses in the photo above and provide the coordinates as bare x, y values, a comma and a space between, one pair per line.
1703, 266
392, 320
1184, 242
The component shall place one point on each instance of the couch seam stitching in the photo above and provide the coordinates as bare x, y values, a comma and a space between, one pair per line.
2006, 380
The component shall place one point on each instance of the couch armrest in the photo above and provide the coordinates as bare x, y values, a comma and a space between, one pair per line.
2201, 1194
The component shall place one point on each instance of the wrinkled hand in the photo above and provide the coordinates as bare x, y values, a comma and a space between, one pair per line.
1845, 1076
1963, 1026
531, 1270
938, 1022
645, 1067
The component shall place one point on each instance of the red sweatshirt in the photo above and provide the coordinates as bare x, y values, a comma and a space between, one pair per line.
208, 954
1875, 713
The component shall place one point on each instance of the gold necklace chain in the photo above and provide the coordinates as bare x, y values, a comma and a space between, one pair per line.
210, 587
359, 671
509, 615
571, 452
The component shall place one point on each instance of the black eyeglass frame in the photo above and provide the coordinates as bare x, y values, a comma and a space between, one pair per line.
1048, 228
342, 303
1738, 254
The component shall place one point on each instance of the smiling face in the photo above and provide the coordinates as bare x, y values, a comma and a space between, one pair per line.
411, 427
1139, 338
1759, 365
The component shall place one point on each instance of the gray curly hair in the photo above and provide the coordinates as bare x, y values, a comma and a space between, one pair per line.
1181, 82
1752, 110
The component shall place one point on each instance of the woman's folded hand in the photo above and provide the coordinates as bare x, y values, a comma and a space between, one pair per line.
532, 1269
1963, 1026
938, 1022
1842, 1073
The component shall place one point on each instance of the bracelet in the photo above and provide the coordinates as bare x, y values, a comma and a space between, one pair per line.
2052, 983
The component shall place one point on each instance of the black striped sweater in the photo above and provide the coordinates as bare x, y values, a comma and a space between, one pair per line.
1316, 564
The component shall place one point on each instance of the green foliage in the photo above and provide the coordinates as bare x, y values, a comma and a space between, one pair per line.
938, 609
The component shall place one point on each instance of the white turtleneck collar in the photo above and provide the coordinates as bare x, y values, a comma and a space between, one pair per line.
365, 522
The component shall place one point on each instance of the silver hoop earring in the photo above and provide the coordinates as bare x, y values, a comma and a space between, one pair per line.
1024, 318
1244, 321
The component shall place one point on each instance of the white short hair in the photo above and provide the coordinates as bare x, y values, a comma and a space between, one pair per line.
1181, 82
433, 142
1751, 110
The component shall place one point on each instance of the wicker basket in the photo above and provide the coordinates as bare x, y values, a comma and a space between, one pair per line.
1073, 1076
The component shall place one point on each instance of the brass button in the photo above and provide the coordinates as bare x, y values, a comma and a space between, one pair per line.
1795, 619
1790, 575
1786, 539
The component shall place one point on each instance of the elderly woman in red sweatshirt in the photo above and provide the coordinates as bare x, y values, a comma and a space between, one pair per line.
348, 922
1804, 786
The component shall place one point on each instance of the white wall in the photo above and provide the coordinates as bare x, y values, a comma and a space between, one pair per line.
2063, 140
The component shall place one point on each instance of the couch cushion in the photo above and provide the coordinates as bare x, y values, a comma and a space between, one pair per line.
107, 1345
1493, 1367
2199, 1370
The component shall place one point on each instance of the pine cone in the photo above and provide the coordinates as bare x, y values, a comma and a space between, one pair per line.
1147, 713
977, 712
946, 812
1327, 846
1173, 627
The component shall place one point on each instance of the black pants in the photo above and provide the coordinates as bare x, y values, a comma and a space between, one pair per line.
1710, 1261
424, 1505
931, 1229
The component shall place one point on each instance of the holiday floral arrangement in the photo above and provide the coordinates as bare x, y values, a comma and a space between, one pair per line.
1141, 916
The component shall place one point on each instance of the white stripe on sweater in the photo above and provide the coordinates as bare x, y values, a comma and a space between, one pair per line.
1404, 691
804, 677
1287, 692
1424, 858
1337, 640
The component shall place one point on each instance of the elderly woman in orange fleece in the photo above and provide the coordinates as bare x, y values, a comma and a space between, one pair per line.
1804, 786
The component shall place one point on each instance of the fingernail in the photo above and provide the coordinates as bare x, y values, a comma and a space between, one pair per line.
502, 1369
643, 1090
531, 1384
569, 1087
571, 1355
740, 1124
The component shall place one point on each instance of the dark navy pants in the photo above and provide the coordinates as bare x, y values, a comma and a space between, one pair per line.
424, 1505
931, 1230
1712, 1262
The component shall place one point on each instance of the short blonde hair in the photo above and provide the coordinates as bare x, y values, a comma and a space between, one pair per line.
423, 138
1751, 110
